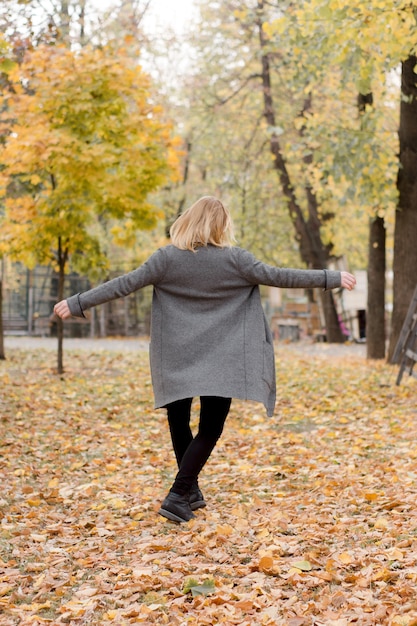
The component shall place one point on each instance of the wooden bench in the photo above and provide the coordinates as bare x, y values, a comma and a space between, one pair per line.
15, 326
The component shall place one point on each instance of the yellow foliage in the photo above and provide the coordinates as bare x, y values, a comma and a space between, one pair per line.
86, 146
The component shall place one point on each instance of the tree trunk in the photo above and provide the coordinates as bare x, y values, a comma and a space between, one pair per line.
60, 325
375, 318
83, 40
62, 260
179, 209
375, 310
2, 353
312, 250
65, 21
93, 320
102, 321
405, 234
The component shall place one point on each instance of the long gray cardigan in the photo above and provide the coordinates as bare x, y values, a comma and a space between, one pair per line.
209, 334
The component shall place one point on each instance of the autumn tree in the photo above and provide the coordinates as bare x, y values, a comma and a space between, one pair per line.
375, 323
255, 75
405, 238
42, 21
307, 222
225, 148
225, 153
86, 146
363, 163
6, 64
336, 160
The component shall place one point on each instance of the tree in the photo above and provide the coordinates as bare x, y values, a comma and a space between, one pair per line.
2, 352
86, 146
405, 237
378, 37
6, 64
225, 145
307, 224
46, 21
375, 322
237, 33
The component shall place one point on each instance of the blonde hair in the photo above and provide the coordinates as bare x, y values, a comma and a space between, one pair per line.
207, 221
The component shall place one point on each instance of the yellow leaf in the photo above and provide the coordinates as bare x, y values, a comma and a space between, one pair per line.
371, 497
345, 558
294, 571
137, 516
34, 501
265, 564
395, 554
381, 523
117, 503
39, 581
224, 529
76, 466
110, 615
5, 589
403, 620
383, 574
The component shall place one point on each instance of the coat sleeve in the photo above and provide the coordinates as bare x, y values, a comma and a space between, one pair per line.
150, 273
258, 273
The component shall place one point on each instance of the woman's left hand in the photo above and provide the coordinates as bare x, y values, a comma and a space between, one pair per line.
62, 310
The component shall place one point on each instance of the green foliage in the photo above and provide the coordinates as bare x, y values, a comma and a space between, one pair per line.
218, 107
338, 50
223, 120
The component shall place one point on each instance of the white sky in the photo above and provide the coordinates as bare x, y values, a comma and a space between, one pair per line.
161, 14
174, 14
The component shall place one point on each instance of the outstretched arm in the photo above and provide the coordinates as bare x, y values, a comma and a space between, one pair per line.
260, 273
147, 274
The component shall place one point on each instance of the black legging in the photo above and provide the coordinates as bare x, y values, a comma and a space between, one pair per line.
192, 453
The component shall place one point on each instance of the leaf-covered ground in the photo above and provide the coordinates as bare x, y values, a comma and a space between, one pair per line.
311, 516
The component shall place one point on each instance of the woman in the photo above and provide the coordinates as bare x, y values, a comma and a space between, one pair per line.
209, 334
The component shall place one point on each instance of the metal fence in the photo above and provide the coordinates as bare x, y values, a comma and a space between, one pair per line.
29, 297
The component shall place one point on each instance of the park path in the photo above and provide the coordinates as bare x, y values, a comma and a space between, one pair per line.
133, 344
119, 344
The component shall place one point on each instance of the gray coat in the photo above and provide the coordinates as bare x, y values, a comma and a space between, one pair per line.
209, 334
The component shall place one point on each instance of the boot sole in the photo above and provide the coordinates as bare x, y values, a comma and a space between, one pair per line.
198, 504
171, 516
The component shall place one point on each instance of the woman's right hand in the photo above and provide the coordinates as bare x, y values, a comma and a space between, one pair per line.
348, 281
62, 310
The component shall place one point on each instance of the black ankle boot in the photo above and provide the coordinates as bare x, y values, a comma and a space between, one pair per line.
176, 508
196, 498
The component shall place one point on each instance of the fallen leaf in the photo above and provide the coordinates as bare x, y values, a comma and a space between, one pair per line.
304, 566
